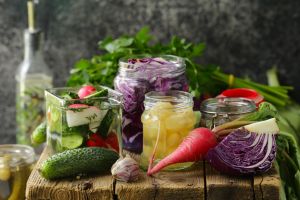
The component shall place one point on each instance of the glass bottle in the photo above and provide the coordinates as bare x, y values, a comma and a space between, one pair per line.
138, 75
33, 76
167, 120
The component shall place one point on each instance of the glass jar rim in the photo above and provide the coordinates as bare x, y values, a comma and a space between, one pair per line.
179, 99
113, 95
124, 66
222, 105
141, 56
14, 155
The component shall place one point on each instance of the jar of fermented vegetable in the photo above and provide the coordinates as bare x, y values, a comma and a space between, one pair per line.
167, 120
16, 163
217, 111
89, 116
138, 75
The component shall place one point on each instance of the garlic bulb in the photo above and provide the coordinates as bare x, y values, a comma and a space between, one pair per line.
125, 169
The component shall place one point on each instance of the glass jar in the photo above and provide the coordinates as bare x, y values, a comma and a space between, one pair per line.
217, 111
167, 120
138, 75
33, 77
16, 163
74, 123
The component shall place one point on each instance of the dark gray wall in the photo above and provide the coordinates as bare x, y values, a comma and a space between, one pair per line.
244, 37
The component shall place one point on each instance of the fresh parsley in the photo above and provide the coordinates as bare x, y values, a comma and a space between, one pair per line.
102, 69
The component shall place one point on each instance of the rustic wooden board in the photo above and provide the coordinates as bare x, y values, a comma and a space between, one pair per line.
266, 186
199, 182
188, 184
38, 188
220, 186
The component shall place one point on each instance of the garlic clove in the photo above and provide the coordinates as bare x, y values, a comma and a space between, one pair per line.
125, 169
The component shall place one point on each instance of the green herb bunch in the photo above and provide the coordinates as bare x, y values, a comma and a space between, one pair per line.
102, 69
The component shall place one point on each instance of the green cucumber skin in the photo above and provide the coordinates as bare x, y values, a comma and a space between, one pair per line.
39, 135
76, 161
106, 123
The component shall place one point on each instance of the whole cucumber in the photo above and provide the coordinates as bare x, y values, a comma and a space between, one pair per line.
78, 161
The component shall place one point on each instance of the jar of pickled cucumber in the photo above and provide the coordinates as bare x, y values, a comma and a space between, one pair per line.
16, 163
217, 111
74, 122
167, 120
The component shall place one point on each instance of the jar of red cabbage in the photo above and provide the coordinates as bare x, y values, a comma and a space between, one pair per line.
138, 75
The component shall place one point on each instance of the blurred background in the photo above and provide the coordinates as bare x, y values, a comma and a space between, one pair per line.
245, 38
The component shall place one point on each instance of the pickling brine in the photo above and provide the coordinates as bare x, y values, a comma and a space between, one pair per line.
167, 120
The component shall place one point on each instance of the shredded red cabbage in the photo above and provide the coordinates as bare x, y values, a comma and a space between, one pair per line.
243, 153
150, 74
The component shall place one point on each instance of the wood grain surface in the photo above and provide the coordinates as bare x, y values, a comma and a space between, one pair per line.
94, 188
266, 186
219, 186
199, 182
187, 184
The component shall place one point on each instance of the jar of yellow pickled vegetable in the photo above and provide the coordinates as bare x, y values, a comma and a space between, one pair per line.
167, 120
16, 162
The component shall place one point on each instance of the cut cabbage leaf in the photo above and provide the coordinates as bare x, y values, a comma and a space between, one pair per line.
246, 151
264, 127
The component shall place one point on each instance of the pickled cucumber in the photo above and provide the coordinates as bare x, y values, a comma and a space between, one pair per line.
5, 172
19, 180
71, 141
39, 135
106, 123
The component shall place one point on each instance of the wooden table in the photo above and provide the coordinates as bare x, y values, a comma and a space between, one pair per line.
200, 182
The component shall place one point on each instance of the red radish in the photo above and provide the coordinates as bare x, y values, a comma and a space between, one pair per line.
78, 105
86, 90
193, 148
96, 140
112, 141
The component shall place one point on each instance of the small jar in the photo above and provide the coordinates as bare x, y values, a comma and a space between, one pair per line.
217, 111
138, 75
74, 123
16, 163
167, 120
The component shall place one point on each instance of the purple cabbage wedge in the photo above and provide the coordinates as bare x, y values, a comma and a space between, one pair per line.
246, 151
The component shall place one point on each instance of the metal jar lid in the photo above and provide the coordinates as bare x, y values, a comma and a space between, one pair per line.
16, 155
227, 106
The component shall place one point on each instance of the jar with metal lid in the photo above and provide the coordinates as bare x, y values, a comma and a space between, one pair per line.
138, 75
167, 120
16, 163
217, 111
